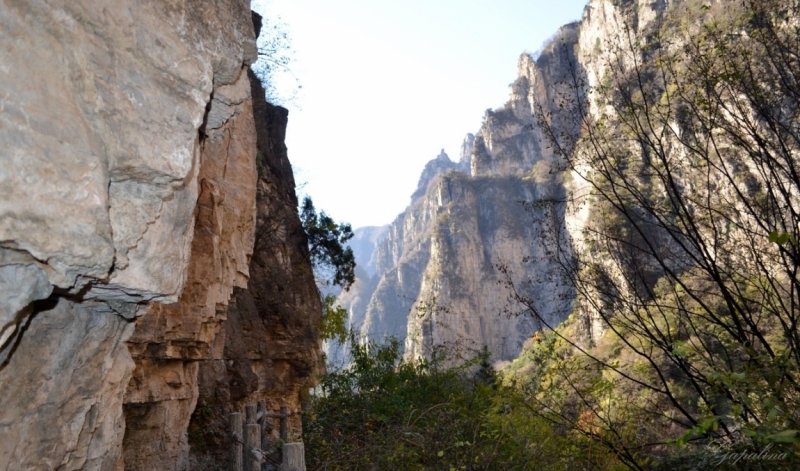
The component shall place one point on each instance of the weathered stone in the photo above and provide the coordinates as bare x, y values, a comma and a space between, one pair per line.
158, 403
269, 347
62, 392
21, 284
170, 340
101, 117
116, 94
127, 179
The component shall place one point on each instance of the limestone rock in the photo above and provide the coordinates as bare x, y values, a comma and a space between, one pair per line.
438, 267
355, 300
22, 284
102, 118
437, 166
268, 348
465, 157
171, 339
115, 97
62, 393
443, 287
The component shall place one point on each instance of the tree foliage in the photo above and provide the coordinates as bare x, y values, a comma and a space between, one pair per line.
334, 264
327, 247
386, 413
683, 348
334, 320
274, 57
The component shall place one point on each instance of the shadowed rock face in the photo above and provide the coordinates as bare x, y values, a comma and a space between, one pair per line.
263, 345
269, 347
170, 340
128, 186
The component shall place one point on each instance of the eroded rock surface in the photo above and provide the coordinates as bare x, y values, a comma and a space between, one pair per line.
171, 339
269, 346
62, 391
106, 135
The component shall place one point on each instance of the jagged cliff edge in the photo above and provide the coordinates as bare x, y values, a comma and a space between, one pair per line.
437, 280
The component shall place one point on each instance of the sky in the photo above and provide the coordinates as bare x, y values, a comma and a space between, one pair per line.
386, 85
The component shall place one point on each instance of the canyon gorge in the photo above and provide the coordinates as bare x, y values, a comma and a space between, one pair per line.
446, 269
155, 274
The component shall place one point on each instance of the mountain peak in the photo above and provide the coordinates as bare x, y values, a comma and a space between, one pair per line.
439, 165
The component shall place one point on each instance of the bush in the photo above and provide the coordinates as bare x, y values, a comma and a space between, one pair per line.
386, 413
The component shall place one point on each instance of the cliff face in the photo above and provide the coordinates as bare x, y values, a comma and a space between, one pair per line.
438, 280
486, 233
170, 339
438, 269
127, 219
269, 347
602, 40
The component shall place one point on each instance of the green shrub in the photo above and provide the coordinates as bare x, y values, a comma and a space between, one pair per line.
386, 413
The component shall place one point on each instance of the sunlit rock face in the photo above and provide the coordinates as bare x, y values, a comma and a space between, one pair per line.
118, 167
438, 278
606, 31
443, 268
441, 164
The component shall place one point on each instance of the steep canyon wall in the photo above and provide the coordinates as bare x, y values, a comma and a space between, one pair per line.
269, 346
133, 195
473, 226
442, 267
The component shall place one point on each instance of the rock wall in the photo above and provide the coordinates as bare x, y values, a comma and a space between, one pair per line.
606, 33
439, 278
170, 339
128, 219
269, 346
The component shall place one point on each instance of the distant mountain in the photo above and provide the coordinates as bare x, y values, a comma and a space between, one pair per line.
433, 277
363, 243
437, 272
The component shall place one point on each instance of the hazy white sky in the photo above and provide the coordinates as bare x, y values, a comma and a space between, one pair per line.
387, 84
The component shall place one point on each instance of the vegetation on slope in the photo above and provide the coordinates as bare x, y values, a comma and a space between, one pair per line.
688, 264
386, 413
689, 260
